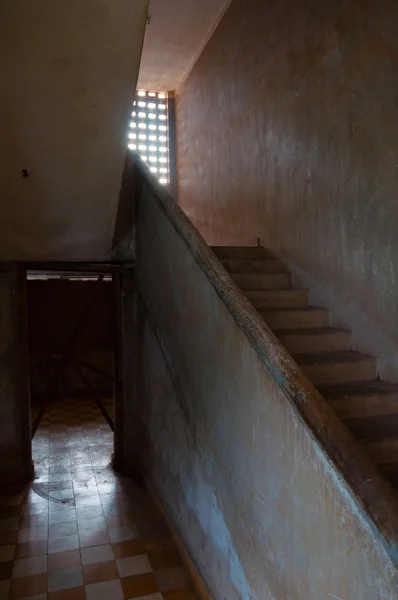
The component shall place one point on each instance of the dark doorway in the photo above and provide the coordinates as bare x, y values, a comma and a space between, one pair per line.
71, 331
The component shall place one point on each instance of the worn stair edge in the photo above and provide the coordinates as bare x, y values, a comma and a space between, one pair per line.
374, 428
277, 298
263, 265
337, 367
312, 340
383, 450
262, 281
362, 398
390, 472
241, 252
379, 435
295, 317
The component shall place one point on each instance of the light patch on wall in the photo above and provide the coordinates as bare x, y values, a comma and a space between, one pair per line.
204, 505
149, 115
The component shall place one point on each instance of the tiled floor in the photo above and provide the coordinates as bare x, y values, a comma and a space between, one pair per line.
80, 531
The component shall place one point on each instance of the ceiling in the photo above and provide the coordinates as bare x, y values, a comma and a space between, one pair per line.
69, 70
176, 35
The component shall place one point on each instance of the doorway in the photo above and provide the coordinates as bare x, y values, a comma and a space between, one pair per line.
71, 335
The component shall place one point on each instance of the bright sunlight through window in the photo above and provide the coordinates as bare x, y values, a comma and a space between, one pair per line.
149, 132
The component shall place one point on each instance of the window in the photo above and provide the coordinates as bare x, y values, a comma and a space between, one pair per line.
150, 120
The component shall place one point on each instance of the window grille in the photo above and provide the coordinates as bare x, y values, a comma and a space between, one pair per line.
149, 132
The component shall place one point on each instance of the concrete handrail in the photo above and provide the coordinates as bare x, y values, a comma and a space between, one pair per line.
375, 497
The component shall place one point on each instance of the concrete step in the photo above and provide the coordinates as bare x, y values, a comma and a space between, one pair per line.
374, 428
382, 451
362, 398
390, 471
267, 265
298, 317
277, 298
337, 367
322, 339
379, 437
241, 252
263, 281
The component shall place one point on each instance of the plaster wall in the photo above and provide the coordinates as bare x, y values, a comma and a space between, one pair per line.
286, 132
69, 72
261, 509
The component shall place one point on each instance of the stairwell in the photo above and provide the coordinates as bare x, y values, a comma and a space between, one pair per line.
269, 492
347, 379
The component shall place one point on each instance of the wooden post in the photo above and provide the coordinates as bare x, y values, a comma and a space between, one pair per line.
15, 447
127, 373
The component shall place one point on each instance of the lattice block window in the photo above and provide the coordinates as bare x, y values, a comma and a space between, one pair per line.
149, 132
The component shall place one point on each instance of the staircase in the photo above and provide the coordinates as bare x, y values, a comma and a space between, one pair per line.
347, 379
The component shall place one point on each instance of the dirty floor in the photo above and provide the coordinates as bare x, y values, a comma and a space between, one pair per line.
80, 531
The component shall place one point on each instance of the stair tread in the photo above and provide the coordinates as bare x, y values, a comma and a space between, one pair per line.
377, 427
261, 281
282, 290
346, 378
254, 266
241, 252
310, 331
222, 248
303, 309
331, 357
256, 259
259, 272
390, 471
359, 388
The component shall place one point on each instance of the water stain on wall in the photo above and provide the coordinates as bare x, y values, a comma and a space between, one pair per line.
77, 89
98, 12
61, 64
89, 130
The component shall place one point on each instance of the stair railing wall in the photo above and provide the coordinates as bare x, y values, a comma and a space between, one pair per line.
268, 490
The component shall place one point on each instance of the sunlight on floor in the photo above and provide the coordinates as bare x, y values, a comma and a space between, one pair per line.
80, 530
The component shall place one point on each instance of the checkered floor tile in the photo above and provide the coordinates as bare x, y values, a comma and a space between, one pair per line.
80, 531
